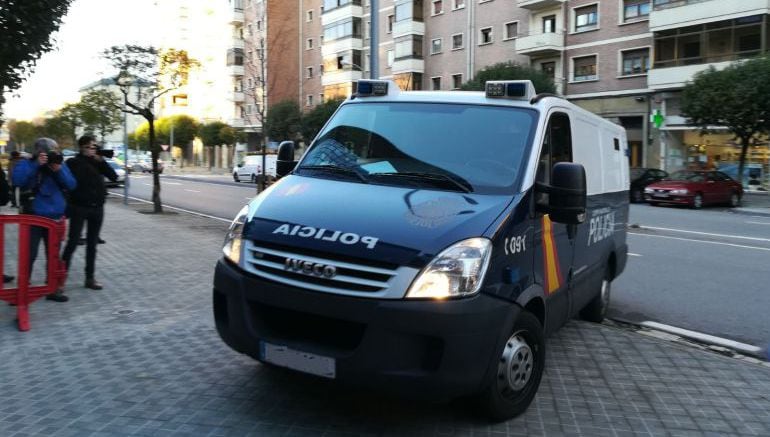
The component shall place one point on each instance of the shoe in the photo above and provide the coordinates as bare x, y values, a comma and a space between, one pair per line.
8, 278
93, 284
101, 241
81, 241
57, 296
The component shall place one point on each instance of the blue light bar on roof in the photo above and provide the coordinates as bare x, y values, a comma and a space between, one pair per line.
510, 89
368, 88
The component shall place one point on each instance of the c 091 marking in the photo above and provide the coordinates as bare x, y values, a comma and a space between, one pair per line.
514, 245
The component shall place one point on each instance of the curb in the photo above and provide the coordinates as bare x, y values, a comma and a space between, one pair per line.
209, 181
723, 346
763, 212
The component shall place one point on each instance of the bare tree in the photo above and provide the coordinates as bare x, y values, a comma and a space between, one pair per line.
144, 75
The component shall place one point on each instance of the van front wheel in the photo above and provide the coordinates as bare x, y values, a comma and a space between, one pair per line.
520, 364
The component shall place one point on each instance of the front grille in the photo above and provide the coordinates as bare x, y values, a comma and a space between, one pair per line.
351, 278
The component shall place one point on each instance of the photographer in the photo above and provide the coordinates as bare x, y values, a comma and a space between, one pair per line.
87, 203
43, 181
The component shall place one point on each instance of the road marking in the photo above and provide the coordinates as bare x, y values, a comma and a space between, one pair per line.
706, 233
248, 198
145, 183
758, 223
767, 249
178, 209
633, 254
191, 191
706, 338
172, 183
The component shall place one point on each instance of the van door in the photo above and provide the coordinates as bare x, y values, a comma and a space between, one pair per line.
554, 245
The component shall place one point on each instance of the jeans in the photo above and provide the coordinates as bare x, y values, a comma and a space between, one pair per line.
94, 215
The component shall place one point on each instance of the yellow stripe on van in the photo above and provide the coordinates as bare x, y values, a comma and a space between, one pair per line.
552, 271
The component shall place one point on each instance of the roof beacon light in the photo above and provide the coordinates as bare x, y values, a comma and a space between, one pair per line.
510, 89
370, 88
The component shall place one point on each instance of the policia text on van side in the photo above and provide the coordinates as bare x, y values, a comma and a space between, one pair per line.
428, 242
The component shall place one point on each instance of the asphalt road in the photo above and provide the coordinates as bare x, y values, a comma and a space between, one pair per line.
705, 270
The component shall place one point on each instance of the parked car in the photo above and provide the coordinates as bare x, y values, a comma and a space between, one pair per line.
119, 171
640, 178
251, 167
695, 188
144, 166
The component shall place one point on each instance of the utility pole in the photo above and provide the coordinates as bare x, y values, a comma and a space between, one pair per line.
374, 49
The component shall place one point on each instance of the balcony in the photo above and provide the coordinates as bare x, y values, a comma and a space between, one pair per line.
236, 122
235, 70
237, 96
238, 43
534, 5
236, 16
540, 44
681, 13
677, 77
342, 12
341, 76
408, 27
329, 48
408, 65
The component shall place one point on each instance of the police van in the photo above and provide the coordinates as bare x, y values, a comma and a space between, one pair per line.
429, 242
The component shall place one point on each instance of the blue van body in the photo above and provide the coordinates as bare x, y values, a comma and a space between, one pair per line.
379, 237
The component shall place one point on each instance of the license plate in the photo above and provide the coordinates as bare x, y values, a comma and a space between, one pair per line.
663, 195
306, 362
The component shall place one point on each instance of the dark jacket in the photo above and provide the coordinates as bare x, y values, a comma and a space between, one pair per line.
48, 186
90, 174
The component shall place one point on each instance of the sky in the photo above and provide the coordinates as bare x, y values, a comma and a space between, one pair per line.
89, 27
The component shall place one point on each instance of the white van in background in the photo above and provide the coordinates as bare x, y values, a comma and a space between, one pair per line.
250, 167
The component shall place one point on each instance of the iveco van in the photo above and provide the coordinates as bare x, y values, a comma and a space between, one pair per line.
429, 242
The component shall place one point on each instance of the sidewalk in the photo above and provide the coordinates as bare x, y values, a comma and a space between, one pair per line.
755, 203
142, 357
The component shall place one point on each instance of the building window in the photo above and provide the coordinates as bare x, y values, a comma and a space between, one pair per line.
391, 57
549, 24
458, 4
309, 72
435, 83
259, 24
345, 28
309, 100
408, 47
511, 30
391, 19
435, 46
329, 5
309, 43
409, 11
321, 98
585, 68
635, 62
438, 7
485, 36
457, 81
309, 16
548, 68
457, 41
586, 18
321, 69
635, 9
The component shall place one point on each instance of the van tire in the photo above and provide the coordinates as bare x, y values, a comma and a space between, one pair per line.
521, 359
253, 179
596, 309
235, 177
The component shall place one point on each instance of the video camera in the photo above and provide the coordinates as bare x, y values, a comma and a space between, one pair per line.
105, 153
55, 157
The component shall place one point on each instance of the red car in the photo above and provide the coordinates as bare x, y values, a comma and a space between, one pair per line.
695, 188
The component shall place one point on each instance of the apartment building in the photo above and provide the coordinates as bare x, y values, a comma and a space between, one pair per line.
623, 59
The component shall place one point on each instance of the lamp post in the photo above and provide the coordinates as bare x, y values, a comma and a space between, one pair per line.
124, 80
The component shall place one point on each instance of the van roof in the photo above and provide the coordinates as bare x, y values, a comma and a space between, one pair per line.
477, 98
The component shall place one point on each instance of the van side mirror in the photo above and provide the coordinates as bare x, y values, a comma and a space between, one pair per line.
567, 194
285, 162
240, 164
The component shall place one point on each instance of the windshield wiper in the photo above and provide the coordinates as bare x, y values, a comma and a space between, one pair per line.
336, 169
462, 185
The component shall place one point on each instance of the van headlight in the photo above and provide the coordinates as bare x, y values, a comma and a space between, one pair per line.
458, 271
232, 246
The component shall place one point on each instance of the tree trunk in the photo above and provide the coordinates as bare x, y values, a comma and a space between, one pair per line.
742, 164
157, 206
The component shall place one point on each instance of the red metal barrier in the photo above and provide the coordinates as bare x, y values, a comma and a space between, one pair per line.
56, 274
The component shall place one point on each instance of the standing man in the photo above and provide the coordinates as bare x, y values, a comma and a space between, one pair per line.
15, 158
87, 204
43, 181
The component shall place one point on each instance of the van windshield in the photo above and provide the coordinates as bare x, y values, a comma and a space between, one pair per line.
457, 147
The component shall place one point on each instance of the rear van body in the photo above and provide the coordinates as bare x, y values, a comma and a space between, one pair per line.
429, 242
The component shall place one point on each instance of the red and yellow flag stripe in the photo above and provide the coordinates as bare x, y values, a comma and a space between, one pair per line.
551, 267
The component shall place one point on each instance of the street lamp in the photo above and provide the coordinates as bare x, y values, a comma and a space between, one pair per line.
124, 80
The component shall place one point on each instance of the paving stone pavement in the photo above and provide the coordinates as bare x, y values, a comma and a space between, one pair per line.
142, 357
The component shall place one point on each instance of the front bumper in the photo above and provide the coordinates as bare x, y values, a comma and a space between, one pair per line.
442, 349
674, 199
